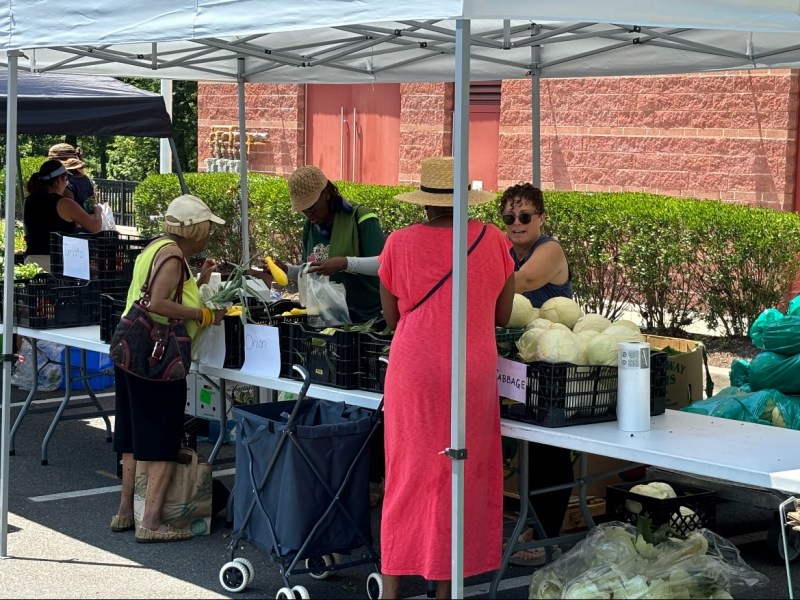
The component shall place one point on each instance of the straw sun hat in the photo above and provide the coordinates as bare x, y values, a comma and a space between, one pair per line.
436, 185
305, 186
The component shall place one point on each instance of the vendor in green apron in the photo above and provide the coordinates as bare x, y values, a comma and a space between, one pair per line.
340, 239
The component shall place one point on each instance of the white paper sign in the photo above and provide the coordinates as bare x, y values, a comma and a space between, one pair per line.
512, 377
76, 257
262, 351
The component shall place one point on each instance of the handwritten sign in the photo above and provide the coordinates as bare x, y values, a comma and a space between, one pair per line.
512, 377
262, 352
76, 257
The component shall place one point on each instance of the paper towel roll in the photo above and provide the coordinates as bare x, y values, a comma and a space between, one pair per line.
633, 390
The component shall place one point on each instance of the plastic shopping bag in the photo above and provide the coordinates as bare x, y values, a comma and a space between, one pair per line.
210, 342
325, 300
48, 361
107, 215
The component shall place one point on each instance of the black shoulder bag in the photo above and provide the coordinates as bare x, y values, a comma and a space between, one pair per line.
148, 349
442, 281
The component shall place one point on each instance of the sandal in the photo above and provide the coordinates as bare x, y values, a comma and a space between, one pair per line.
150, 536
534, 557
119, 523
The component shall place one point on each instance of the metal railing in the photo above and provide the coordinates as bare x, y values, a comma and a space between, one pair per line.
120, 195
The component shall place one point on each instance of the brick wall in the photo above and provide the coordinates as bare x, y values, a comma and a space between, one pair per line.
426, 126
729, 136
278, 109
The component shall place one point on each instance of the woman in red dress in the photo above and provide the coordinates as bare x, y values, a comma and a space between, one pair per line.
415, 524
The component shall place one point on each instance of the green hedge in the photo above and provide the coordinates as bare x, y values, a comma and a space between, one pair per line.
674, 260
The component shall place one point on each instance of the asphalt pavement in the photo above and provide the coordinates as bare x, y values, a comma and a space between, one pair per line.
60, 544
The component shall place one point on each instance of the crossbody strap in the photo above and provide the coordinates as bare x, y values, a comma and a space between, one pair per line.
442, 281
145, 295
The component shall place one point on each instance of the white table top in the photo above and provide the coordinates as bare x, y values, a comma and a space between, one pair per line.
86, 337
356, 397
743, 453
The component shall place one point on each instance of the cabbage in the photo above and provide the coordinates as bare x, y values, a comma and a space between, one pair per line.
539, 323
526, 344
623, 333
591, 322
586, 334
627, 323
559, 326
561, 310
602, 350
558, 345
522, 312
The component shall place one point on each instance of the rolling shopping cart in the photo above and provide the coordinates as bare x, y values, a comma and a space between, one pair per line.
302, 490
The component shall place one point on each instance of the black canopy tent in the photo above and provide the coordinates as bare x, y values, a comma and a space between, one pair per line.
55, 103
85, 105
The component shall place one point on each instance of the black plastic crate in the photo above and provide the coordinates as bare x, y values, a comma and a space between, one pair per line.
47, 302
371, 370
263, 314
330, 359
563, 394
627, 506
111, 257
506, 338
111, 309
18, 284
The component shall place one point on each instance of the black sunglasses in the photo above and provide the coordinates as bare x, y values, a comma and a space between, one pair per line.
524, 218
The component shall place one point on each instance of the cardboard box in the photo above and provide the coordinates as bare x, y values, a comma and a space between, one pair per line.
684, 370
574, 519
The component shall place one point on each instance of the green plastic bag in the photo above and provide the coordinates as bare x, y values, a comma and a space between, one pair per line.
794, 306
737, 404
767, 317
740, 372
781, 336
769, 370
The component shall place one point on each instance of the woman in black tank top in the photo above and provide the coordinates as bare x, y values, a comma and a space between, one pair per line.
47, 210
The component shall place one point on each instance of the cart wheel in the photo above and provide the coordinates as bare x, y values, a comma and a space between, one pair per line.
775, 542
251, 570
318, 566
234, 576
375, 586
300, 592
285, 593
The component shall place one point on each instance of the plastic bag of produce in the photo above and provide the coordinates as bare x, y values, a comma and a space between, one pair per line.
741, 404
48, 361
614, 561
775, 371
740, 372
779, 335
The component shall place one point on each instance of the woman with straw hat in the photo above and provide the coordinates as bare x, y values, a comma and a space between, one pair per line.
340, 239
415, 524
79, 186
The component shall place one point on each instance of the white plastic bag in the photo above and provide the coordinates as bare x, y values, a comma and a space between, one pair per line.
107, 216
325, 300
51, 372
210, 341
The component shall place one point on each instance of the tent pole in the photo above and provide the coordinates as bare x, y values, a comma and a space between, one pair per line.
243, 163
458, 333
8, 292
536, 113
164, 147
176, 161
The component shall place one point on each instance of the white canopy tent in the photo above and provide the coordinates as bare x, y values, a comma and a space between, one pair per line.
365, 41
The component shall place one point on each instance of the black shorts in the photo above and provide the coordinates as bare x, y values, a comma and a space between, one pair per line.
149, 417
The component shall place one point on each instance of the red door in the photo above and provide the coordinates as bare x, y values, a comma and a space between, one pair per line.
353, 131
484, 133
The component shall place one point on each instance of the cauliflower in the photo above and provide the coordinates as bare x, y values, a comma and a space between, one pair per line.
561, 310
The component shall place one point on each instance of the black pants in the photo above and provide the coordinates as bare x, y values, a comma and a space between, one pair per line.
548, 466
